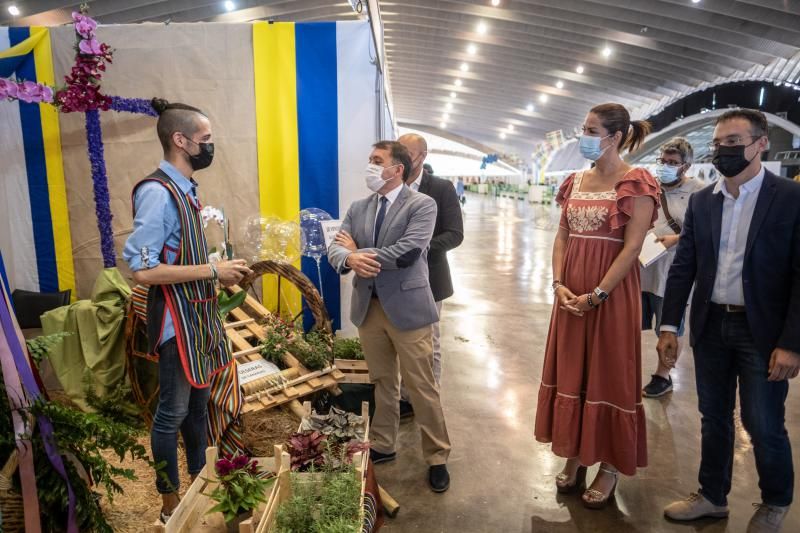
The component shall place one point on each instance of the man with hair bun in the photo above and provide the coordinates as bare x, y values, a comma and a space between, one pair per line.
167, 252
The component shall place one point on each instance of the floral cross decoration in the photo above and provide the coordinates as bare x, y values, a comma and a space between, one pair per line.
82, 93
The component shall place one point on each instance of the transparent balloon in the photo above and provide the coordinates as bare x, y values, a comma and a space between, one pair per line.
313, 236
273, 239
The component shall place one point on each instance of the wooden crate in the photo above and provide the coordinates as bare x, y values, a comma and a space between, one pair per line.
191, 515
282, 488
354, 370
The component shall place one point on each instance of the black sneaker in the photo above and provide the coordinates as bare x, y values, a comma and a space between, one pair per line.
657, 387
438, 478
406, 410
378, 457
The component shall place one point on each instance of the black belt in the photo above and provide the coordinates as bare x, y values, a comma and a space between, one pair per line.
730, 308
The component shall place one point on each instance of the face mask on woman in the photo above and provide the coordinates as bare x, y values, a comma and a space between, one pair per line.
590, 147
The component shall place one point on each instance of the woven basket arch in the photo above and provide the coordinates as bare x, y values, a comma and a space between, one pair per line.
310, 293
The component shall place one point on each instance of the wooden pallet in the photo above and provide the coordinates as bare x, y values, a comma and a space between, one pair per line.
354, 370
246, 333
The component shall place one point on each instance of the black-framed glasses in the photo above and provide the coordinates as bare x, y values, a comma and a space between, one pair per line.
674, 164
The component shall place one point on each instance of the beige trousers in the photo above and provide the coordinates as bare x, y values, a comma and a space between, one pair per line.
392, 353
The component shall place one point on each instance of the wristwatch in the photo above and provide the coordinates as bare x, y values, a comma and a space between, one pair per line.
601, 294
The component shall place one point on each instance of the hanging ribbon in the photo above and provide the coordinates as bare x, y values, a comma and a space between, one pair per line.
21, 387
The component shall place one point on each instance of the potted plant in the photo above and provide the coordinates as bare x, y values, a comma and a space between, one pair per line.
241, 488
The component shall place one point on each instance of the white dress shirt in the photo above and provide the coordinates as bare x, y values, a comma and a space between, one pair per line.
391, 196
415, 184
737, 214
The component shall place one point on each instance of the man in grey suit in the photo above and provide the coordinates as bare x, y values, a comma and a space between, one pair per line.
384, 239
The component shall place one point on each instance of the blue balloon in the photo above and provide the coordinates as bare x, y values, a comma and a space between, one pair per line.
311, 229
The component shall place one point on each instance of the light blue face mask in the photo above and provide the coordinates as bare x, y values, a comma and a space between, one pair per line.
590, 147
667, 175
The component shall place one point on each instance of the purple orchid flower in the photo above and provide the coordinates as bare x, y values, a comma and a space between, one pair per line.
85, 27
90, 47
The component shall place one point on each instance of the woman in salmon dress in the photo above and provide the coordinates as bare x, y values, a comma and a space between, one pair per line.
590, 405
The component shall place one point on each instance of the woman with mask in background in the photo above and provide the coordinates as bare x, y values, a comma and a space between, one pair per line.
676, 157
589, 404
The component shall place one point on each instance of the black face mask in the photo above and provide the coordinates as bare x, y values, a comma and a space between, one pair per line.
730, 160
203, 159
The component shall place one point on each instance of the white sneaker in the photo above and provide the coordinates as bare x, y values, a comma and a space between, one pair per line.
694, 507
767, 518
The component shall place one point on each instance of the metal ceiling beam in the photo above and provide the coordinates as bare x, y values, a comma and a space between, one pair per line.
568, 39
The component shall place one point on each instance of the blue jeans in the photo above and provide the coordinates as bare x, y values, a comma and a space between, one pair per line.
180, 407
726, 352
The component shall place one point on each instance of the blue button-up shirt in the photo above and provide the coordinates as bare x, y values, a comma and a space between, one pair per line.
157, 226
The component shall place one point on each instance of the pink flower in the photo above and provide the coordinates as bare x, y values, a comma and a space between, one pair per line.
85, 27
47, 94
90, 47
8, 89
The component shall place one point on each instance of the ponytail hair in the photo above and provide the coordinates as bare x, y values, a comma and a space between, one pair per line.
638, 132
615, 117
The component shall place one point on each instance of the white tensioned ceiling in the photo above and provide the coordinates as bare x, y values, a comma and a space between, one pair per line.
656, 51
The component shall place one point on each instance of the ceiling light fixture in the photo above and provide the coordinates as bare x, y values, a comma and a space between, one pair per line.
560, 84
472, 49
445, 117
453, 95
530, 108
495, 3
14, 10
543, 98
482, 28
229, 6
443, 125
579, 70
502, 135
510, 127
695, 1
607, 52
449, 106
464, 67
458, 83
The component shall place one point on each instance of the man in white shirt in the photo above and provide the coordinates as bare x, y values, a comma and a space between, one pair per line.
740, 248
677, 187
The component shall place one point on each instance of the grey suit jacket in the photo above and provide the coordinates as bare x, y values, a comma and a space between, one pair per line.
402, 247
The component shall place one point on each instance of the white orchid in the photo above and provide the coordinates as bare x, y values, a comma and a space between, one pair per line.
209, 213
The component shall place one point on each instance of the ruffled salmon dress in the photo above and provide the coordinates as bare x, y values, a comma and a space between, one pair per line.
590, 400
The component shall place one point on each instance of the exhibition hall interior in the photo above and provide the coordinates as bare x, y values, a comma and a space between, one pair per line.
438, 266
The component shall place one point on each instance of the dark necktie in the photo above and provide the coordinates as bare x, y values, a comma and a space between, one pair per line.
379, 220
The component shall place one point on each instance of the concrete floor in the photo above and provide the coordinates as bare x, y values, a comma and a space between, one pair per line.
493, 336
